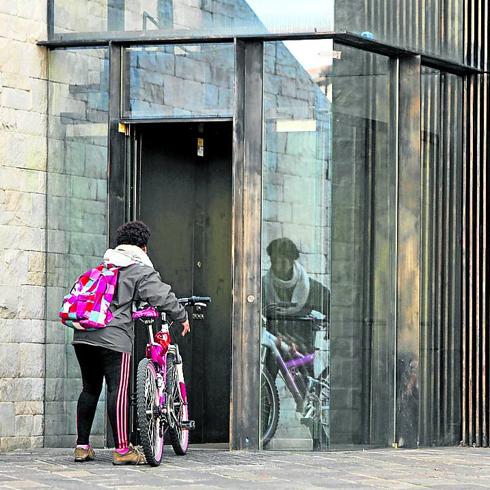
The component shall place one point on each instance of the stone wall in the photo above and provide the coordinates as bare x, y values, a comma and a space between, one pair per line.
23, 106
211, 16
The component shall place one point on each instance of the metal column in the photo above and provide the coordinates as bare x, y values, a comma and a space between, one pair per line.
247, 196
116, 145
408, 251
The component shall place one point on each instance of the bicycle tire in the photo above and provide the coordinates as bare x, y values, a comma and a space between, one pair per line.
319, 435
150, 425
179, 437
270, 406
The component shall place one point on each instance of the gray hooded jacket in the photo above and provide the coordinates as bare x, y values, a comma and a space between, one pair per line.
137, 281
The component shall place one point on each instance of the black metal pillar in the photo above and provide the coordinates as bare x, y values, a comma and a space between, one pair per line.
116, 145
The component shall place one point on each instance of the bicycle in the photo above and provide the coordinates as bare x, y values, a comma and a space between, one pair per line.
306, 376
161, 396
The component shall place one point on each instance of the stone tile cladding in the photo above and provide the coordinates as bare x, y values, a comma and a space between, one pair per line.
23, 152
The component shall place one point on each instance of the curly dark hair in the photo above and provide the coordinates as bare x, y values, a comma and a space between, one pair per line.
283, 246
133, 233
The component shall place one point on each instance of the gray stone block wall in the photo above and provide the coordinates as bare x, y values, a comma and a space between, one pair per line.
220, 16
23, 106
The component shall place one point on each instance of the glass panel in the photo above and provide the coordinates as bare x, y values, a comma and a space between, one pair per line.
430, 26
327, 248
363, 250
76, 218
179, 81
295, 245
199, 16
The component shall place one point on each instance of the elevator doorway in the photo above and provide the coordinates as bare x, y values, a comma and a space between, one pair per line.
183, 191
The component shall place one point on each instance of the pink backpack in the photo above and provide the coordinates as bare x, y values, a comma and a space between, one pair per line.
86, 306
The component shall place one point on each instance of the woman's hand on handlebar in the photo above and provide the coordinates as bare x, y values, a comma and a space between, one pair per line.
186, 328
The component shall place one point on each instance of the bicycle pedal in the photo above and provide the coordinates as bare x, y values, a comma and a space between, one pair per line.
188, 424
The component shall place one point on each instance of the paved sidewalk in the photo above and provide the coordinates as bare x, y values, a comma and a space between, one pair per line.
207, 468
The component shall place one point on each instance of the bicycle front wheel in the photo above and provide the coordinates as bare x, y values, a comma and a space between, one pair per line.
148, 412
269, 406
177, 408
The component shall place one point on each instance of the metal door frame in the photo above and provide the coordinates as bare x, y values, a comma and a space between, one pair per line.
132, 171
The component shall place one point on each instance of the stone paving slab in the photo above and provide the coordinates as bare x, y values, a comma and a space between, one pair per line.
209, 468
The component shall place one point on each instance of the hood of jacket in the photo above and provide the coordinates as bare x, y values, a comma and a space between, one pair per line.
125, 255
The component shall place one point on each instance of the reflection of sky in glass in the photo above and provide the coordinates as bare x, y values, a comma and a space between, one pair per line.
294, 14
311, 54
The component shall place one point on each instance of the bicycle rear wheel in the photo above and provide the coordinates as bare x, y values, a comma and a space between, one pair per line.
148, 412
177, 408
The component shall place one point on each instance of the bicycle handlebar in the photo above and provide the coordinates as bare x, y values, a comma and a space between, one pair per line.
193, 300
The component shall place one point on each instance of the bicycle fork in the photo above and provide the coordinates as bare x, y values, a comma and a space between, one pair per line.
179, 378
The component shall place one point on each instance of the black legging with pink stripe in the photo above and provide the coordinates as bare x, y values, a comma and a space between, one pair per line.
97, 363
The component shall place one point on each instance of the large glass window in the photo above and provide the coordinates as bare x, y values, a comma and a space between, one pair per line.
327, 248
198, 16
179, 81
76, 218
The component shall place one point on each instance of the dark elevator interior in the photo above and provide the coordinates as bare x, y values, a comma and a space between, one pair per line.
184, 193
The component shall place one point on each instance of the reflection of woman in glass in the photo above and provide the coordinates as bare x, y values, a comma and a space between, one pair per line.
288, 282
289, 296
296, 308
297, 311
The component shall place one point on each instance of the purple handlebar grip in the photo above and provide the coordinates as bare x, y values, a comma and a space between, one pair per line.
147, 312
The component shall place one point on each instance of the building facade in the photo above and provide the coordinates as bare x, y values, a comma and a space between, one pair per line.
318, 170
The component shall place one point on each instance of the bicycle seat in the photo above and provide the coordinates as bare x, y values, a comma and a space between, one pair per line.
145, 310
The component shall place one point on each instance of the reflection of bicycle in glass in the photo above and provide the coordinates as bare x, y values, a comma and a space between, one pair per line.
161, 396
306, 377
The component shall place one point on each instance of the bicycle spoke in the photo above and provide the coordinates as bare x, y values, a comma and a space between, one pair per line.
148, 412
150, 402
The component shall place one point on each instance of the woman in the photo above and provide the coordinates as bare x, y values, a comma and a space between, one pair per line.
106, 353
